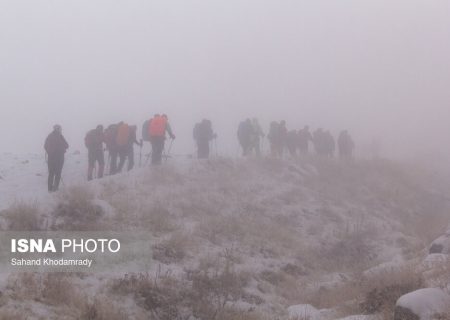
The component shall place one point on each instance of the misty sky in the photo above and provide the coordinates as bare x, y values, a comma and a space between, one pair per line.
380, 68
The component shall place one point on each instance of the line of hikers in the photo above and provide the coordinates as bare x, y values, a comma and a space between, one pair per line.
120, 138
250, 136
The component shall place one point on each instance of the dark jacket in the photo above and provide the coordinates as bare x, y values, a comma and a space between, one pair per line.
55, 145
94, 140
203, 131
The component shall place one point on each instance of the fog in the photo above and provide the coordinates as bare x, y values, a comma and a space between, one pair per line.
377, 68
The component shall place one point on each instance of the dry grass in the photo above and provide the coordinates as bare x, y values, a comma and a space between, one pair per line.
380, 292
50, 288
174, 249
76, 211
22, 216
158, 219
208, 292
11, 314
103, 308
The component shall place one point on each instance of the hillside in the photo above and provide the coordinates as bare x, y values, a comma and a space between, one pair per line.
233, 239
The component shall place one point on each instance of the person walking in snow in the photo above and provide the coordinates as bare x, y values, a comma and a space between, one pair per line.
330, 144
112, 147
55, 147
345, 145
304, 137
158, 126
94, 143
203, 134
244, 134
257, 136
127, 151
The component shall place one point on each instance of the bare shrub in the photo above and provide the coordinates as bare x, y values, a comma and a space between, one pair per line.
8, 314
354, 249
208, 292
174, 249
215, 289
24, 286
50, 288
164, 175
57, 289
158, 219
103, 308
77, 211
429, 225
22, 216
236, 314
162, 295
383, 290
218, 229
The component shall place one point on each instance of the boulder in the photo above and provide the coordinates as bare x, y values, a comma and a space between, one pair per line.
441, 245
422, 304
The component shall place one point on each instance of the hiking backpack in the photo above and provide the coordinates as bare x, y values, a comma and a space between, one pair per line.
157, 127
89, 140
110, 135
123, 135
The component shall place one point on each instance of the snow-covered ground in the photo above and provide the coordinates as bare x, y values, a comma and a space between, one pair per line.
239, 239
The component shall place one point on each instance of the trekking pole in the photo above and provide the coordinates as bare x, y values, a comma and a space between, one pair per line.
262, 145
107, 163
140, 154
167, 154
215, 147
170, 147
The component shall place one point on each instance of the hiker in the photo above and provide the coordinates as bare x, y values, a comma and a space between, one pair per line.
282, 138
55, 146
257, 135
319, 142
245, 133
126, 148
345, 145
94, 143
330, 144
203, 134
292, 142
110, 136
273, 137
158, 126
304, 136
278, 136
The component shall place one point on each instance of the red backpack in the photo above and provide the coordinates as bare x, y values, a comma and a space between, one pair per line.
157, 127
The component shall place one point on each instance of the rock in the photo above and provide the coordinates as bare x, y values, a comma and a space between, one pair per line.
436, 248
441, 244
405, 314
304, 311
360, 317
422, 304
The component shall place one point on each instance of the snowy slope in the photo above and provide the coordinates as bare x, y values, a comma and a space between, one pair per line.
295, 232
